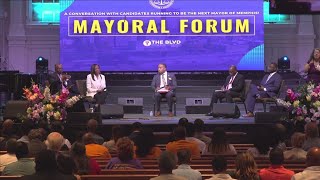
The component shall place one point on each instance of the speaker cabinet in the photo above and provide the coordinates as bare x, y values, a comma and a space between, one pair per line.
14, 109
226, 110
111, 111
198, 105
131, 105
270, 117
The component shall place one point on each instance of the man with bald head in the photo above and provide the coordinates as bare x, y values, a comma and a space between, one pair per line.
312, 171
93, 149
59, 81
233, 87
92, 126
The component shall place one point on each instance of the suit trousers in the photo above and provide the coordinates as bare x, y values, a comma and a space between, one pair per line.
100, 97
252, 95
223, 94
169, 96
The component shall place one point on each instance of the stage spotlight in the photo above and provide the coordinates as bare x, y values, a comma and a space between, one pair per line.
284, 63
41, 65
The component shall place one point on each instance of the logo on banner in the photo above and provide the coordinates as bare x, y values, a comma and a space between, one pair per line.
161, 4
147, 43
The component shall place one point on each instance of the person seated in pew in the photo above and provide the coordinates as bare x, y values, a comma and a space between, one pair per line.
296, 153
167, 162
136, 128
92, 126
10, 156
219, 143
199, 127
93, 149
117, 133
24, 165
312, 136
190, 134
66, 165
276, 170
145, 145
183, 122
125, 156
36, 144
261, 143
47, 169
246, 168
184, 169
85, 165
312, 172
219, 168
181, 143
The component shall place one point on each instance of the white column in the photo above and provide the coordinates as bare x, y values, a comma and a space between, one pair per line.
316, 26
17, 36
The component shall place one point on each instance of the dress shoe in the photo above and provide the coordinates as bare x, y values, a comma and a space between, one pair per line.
157, 114
249, 114
170, 114
209, 114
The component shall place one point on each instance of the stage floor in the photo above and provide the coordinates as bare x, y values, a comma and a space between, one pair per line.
164, 119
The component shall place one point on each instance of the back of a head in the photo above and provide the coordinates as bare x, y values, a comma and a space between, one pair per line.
219, 164
312, 130
144, 142
261, 141
55, 141
276, 156
35, 134
11, 146
183, 122
88, 139
46, 161
179, 133
297, 140
184, 156
22, 150
117, 132
78, 149
78, 153
56, 126
198, 125
279, 133
7, 127
313, 157
245, 165
219, 136
167, 162
190, 129
66, 164
26, 126
125, 149
136, 126
92, 125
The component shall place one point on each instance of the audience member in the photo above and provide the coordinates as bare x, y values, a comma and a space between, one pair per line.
246, 167
93, 149
190, 134
47, 169
146, 145
312, 172
35, 142
92, 126
25, 128
312, 136
125, 156
10, 156
117, 133
55, 141
199, 127
219, 168
24, 165
7, 133
167, 162
219, 143
58, 127
261, 143
136, 128
181, 143
183, 122
66, 165
84, 165
296, 153
184, 169
276, 170
279, 137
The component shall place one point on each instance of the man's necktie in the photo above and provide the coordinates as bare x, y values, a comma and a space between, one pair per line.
163, 80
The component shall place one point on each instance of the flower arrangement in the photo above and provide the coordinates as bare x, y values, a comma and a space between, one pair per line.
304, 104
44, 106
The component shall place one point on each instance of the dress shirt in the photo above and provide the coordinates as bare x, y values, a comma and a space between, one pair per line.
162, 84
184, 170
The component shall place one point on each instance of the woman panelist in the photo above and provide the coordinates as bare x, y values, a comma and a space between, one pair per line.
96, 85
313, 67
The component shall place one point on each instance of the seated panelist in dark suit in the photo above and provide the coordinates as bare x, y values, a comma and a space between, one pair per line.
59, 81
233, 87
163, 85
269, 87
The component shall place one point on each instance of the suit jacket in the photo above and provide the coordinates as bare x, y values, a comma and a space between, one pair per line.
56, 85
171, 80
237, 84
273, 85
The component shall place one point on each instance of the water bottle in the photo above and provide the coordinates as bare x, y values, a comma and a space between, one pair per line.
151, 113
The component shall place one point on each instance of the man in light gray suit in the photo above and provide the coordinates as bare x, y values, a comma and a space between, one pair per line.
164, 85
